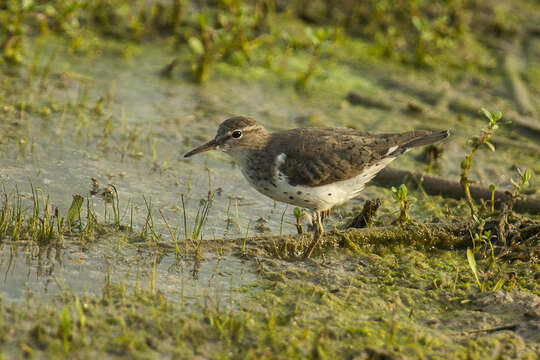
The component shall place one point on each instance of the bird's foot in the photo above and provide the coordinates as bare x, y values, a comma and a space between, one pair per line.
316, 238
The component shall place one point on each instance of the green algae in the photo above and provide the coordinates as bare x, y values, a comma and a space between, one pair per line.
393, 301
83, 105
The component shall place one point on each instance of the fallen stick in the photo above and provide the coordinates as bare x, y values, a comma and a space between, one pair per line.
424, 236
449, 188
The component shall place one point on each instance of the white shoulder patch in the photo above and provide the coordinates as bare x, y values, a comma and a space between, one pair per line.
278, 175
280, 159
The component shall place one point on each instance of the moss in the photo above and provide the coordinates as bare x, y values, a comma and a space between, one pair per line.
390, 293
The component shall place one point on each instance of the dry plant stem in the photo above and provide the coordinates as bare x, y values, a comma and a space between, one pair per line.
367, 214
432, 185
302, 81
464, 180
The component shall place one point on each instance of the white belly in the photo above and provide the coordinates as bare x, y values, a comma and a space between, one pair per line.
318, 197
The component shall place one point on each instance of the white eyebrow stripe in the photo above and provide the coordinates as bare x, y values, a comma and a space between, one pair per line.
247, 128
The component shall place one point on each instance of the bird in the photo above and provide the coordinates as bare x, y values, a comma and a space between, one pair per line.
315, 168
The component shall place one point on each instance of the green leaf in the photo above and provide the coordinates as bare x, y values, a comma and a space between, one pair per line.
74, 211
311, 35
27, 4
65, 327
403, 190
526, 176
321, 35
514, 182
490, 146
472, 265
196, 45
418, 23
486, 113
203, 20
499, 285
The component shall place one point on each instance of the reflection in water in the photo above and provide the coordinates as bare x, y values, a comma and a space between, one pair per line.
47, 271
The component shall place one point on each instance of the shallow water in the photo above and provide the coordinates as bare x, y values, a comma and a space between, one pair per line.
135, 136
41, 274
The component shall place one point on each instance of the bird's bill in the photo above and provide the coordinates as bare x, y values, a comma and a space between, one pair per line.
211, 145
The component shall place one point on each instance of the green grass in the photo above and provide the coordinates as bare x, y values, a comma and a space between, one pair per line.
392, 300
364, 296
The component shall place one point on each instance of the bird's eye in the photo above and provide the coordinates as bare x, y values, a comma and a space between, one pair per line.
236, 134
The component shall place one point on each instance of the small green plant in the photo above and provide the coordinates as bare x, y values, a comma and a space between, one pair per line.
298, 215
13, 30
483, 139
474, 269
482, 236
193, 232
282, 218
204, 48
149, 224
64, 330
400, 195
317, 39
492, 188
519, 184
482, 285
173, 234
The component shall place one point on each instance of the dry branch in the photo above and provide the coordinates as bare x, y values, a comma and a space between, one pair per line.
449, 188
425, 236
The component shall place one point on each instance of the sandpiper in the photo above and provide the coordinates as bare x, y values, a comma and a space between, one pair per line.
314, 168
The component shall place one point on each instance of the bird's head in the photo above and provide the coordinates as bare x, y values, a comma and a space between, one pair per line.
234, 134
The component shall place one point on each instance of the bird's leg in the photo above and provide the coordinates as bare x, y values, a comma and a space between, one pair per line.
325, 214
317, 234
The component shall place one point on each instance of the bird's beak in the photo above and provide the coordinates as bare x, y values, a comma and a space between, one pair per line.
211, 145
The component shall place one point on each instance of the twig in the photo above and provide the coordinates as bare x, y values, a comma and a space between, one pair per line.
494, 329
433, 235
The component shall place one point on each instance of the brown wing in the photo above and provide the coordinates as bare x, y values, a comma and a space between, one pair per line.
320, 156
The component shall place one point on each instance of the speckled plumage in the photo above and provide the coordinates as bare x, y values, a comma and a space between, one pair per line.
315, 168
